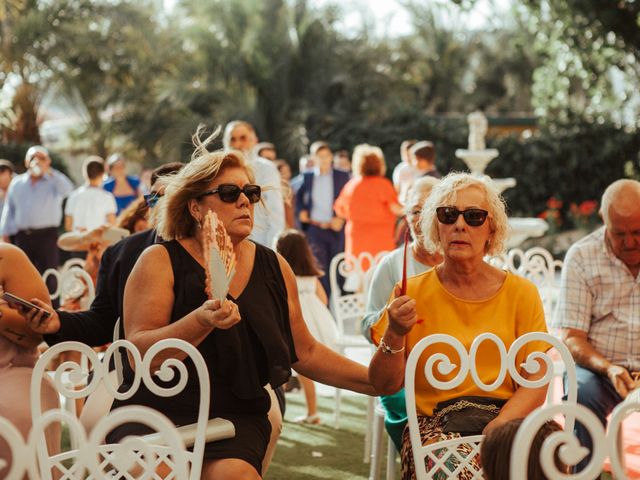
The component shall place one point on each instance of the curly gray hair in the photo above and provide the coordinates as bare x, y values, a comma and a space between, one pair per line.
445, 192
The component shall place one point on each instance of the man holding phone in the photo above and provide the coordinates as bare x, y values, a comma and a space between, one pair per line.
33, 209
95, 326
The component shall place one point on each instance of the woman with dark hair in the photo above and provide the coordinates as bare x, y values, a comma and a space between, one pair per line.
135, 217
369, 204
293, 246
126, 188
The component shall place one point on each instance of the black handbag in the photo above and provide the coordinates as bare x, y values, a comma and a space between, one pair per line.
467, 415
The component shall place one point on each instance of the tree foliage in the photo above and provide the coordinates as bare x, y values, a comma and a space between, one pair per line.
590, 69
141, 79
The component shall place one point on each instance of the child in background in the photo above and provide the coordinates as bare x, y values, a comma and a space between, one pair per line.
293, 246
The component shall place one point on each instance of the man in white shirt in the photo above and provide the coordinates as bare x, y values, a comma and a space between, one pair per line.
269, 220
599, 306
89, 206
406, 171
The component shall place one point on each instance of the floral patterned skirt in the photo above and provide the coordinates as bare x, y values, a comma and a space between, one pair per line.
431, 432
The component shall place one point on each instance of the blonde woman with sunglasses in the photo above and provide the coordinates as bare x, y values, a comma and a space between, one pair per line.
251, 340
465, 220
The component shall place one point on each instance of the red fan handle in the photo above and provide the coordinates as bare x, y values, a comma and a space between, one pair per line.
403, 287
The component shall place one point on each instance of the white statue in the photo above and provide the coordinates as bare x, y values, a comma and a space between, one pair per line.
478, 126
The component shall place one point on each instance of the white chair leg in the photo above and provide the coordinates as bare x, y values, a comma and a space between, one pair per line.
336, 422
378, 435
391, 460
371, 406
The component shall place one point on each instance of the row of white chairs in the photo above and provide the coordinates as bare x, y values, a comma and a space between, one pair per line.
134, 457
95, 459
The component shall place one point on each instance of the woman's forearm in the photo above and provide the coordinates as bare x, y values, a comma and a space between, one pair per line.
188, 328
522, 402
323, 365
14, 328
386, 370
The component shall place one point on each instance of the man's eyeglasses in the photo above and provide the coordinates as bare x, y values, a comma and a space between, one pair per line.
473, 216
152, 198
229, 192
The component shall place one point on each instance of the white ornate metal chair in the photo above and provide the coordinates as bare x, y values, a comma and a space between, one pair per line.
72, 281
566, 445
378, 435
538, 265
350, 277
615, 444
562, 444
348, 306
165, 447
439, 453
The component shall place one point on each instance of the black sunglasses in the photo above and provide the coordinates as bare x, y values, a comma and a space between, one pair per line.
152, 198
473, 216
229, 192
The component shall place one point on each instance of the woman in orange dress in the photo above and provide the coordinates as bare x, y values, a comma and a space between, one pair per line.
369, 204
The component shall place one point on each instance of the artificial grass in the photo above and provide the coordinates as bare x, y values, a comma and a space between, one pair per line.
321, 451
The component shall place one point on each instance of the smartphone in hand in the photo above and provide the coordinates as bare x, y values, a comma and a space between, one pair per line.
15, 300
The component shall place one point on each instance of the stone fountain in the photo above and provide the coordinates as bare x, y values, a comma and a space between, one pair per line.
477, 157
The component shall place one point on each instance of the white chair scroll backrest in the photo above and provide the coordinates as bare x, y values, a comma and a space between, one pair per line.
111, 458
17, 449
348, 307
72, 281
615, 445
467, 366
537, 265
562, 444
567, 446
348, 302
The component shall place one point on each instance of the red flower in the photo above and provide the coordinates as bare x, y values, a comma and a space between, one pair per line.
588, 207
554, 204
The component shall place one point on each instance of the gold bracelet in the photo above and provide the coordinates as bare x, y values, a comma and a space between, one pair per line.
387, 349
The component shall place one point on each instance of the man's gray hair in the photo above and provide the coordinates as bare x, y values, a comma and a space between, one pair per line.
34, 150
230, 127
623, 196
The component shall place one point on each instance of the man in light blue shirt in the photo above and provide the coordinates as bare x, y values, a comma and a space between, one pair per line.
33, 209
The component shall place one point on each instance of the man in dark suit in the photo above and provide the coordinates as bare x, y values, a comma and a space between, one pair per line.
95, 326
314, 205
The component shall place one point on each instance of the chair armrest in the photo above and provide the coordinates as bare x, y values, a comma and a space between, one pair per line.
217, 429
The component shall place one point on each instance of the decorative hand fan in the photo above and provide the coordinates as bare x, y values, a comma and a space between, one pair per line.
219, 257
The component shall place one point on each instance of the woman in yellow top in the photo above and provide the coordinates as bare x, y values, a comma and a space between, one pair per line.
465, 220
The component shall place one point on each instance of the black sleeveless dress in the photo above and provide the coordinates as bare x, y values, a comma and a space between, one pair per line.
241, 360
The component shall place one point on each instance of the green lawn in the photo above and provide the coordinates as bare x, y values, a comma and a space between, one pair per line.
320, 451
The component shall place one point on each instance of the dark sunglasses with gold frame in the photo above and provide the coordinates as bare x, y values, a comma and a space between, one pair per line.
229, 193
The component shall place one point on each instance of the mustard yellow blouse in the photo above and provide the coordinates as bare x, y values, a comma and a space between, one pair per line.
515, 309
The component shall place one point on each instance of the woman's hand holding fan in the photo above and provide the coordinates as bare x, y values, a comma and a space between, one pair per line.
220, 264
219, 257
